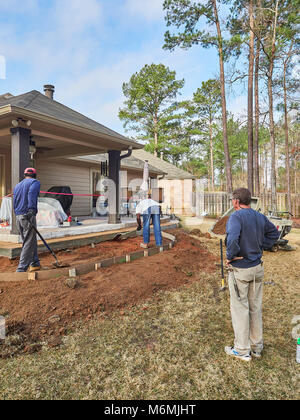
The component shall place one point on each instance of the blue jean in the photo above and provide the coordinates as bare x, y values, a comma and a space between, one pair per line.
154, 214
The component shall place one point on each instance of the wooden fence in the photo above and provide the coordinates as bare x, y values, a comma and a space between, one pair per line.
217, 203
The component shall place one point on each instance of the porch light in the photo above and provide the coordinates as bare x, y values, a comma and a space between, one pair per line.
16, 123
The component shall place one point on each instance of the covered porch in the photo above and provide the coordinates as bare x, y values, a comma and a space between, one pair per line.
35, 128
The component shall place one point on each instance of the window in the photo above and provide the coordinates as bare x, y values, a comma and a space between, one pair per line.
97, 187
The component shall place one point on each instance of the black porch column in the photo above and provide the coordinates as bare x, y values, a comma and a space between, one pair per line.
114, 187
20, 160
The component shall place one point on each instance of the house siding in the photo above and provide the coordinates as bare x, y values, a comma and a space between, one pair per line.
178, 195
52, 174
7, 170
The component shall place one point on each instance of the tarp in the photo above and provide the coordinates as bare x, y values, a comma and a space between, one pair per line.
50, 212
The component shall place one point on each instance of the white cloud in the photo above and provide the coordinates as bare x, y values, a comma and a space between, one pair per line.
75, 48
149, 10
63, 43
18, 7
74, 16
98, 92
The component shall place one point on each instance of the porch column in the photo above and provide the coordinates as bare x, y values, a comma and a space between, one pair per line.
20, 160
114, 187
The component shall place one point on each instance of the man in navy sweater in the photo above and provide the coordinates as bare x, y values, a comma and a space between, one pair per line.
248, 233
25, 206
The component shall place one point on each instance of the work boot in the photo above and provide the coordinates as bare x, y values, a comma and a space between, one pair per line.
33, 269
256, 354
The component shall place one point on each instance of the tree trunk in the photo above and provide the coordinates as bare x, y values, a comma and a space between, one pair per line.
287, 149
223, 96
271, 116
257, 111
155, 137
272, 140
266, 167
212, 171
250, 101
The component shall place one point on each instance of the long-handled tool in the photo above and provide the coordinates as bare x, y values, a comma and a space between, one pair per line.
123, 235
223, 287
57, 264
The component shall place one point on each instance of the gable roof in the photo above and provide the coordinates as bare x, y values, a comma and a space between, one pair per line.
172, 172
37, 102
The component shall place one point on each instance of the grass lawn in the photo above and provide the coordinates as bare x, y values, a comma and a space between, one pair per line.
171, 347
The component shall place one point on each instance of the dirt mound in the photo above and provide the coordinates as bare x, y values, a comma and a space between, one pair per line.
296, 223
45, 311
197, 232
220, 226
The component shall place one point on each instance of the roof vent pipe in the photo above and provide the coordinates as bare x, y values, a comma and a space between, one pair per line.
49, 91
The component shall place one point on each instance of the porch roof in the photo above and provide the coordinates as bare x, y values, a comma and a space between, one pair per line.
130, 163
55, 127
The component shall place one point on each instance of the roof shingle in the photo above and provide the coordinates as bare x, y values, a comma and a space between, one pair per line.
37, 102
172, 172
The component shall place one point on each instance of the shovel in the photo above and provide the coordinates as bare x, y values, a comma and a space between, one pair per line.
57, 264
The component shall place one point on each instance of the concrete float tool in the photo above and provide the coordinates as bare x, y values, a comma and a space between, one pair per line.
57, 264
126, 235
121, 236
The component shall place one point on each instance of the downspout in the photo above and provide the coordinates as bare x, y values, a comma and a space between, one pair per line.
128, 154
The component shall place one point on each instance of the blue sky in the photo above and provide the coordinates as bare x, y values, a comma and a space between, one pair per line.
88, 48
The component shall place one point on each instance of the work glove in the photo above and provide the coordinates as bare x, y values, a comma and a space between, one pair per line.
139, 228
29, 214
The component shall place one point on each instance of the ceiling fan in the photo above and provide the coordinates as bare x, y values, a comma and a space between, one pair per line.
33, 149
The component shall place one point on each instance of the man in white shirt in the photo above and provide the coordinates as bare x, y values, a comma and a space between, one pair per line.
150, 210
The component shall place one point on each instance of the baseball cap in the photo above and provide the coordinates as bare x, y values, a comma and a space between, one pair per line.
30, 171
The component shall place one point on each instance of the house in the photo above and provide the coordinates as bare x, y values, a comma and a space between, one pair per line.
69, 149
35, 127
170, 185
178, 185
131, 178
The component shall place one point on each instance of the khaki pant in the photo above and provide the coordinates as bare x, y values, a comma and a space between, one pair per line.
246, 312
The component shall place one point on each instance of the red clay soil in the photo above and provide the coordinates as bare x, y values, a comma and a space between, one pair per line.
44, 311
81, 255
220, 226
296, 223
197, 232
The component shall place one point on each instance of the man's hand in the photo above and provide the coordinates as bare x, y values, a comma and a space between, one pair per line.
29, 214
234, 259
